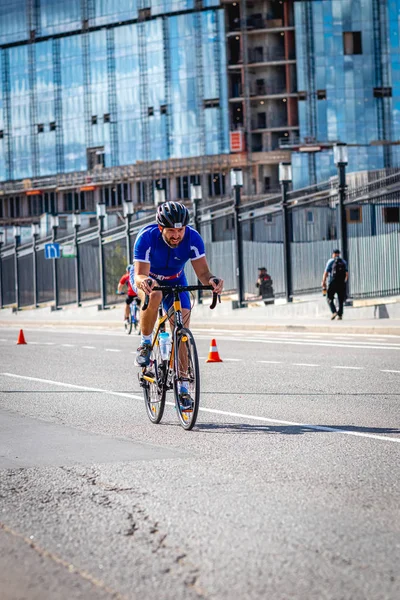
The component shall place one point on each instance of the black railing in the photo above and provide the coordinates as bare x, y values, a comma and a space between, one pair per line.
372, 215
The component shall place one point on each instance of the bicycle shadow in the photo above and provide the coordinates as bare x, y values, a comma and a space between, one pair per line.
234, 428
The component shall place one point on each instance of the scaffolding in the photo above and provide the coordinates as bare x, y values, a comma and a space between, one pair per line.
311, 106
5, 76
167, 84
112, 96
33, 109
58, 112
87, 104
144, 105
382, 77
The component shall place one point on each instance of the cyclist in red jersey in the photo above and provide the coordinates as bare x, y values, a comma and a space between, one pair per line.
131, 294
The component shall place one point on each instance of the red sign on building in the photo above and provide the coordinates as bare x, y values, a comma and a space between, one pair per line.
237, 141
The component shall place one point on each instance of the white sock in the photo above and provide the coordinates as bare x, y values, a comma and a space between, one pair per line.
147, 339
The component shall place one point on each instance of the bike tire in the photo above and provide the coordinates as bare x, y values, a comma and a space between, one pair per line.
128, 325
184, 338
135, 316
154, 393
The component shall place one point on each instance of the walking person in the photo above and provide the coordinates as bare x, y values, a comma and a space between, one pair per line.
337, 271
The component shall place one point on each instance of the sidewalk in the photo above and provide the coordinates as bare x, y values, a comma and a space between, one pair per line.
381, 316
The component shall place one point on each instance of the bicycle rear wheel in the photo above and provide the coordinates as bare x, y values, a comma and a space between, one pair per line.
187, 368
154, 390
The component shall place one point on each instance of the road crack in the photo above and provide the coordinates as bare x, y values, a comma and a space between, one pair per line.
73, 569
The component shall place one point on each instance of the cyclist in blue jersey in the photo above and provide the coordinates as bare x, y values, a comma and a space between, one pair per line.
161, 252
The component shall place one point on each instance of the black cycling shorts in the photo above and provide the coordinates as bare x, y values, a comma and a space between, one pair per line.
130, 299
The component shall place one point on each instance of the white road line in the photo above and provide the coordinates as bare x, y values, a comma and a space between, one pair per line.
324, 344
215, 411
315, 343
3, 340
73, 386
89, 347
48, 343
36, 343
234, 359
341, 367
68, 345
270, 362
389, 371
112, 350
268, 332
305, 365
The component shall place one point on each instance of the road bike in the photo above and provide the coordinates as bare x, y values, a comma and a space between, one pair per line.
132, 322
133, 319
166, 371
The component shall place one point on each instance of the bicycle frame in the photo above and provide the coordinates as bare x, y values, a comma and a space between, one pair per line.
133, 308
178, 325
181, 365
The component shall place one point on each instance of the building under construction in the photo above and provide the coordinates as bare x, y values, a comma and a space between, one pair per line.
106, 100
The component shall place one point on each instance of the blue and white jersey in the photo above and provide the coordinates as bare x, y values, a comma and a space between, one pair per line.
164, 260
132, 277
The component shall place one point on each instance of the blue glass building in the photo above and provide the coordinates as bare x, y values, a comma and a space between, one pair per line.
348, 75
121, 82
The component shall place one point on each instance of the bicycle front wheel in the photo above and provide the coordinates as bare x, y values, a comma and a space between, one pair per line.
187, 373
154, 389
135, 316
128, 325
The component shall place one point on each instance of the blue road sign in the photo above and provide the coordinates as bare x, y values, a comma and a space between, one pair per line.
52, 251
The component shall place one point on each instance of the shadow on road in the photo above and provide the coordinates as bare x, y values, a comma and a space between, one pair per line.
239, 394
289, 429
297, 394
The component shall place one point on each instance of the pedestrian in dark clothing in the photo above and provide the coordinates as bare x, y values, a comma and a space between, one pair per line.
337, 271
264, 285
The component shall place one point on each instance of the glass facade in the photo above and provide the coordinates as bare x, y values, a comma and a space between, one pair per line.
143, 90
348, 65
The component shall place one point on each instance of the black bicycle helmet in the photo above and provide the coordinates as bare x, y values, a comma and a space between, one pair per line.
172, 214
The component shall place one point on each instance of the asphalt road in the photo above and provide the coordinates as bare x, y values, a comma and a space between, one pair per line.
288, 487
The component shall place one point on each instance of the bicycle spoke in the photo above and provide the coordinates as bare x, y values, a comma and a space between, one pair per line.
187, 371
154, 390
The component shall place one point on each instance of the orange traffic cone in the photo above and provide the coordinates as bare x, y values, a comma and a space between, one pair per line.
21, 337
213, 355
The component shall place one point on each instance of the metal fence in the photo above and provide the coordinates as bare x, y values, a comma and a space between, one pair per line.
373, 230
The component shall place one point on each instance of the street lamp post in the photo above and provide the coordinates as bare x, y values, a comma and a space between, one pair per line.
340, 155
237, 184
17, 239
196, 196
35, 235
128, 212
76, 222
285, 178
1, 269
55, 222
101, 214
